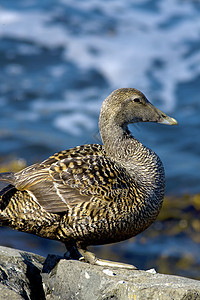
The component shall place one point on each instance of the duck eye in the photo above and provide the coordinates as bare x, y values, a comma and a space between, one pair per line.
136, 100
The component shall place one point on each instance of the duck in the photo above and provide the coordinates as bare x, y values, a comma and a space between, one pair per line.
92, 194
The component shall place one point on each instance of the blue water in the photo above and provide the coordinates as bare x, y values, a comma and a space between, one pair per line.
60, 59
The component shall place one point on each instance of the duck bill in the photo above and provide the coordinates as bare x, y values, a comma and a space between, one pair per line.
168, 121
164, 119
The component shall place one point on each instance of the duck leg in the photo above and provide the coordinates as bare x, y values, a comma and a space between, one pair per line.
72, 252
91, 258
82, 254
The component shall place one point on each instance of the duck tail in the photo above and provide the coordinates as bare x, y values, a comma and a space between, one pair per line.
4, 199
5, 196
7, 177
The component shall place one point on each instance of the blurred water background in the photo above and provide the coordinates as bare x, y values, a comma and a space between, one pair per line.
60, 59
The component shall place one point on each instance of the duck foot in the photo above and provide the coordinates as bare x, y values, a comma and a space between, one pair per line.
86, 256
90, 257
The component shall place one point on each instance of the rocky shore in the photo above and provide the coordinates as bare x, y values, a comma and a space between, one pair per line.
25, 275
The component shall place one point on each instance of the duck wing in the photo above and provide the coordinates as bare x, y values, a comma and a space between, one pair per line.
79, 151
71, 181
71, 177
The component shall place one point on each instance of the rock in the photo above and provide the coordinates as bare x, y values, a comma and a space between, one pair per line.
77, 280
28, 276
20, 275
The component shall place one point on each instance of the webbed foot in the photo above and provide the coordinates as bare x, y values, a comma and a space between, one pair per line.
90, 257
84, 255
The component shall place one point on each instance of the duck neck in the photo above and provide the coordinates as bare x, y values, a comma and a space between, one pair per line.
141, 163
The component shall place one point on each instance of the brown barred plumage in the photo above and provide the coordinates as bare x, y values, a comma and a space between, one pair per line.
92, 194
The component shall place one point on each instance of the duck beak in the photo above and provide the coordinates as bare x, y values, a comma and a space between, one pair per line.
161, 117
168, 121
164, 119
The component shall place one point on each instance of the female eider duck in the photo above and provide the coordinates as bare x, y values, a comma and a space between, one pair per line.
92, 194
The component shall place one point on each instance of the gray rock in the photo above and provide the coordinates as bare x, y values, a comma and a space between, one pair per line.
20, 276
25, 275
78, 280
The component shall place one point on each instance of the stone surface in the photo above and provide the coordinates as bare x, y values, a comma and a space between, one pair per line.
20, 276
28, 276
77, 280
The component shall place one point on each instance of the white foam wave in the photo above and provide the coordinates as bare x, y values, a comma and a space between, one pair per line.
71, 102
75, 123
127, 53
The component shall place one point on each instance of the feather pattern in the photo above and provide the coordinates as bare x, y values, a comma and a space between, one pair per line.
92, 194
58, 184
